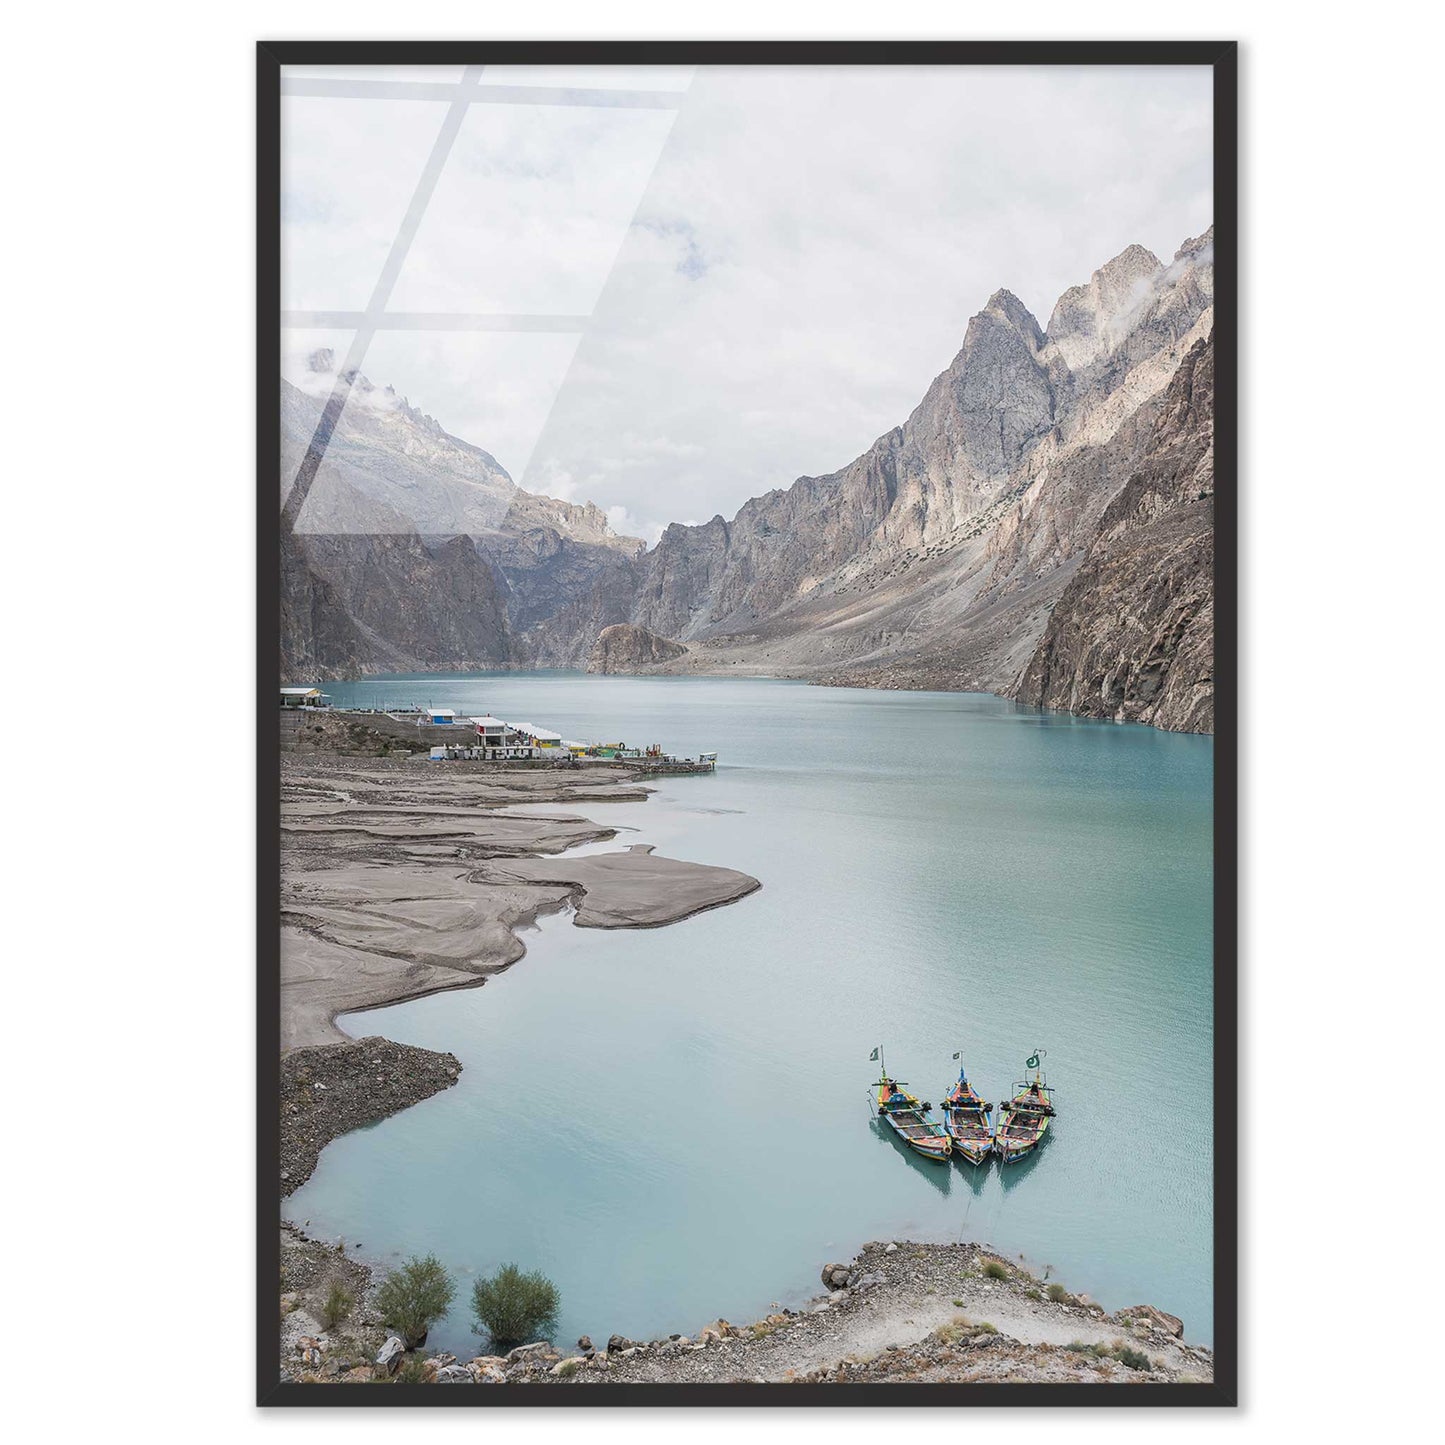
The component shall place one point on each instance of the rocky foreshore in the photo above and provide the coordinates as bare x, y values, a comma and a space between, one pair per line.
898, 1312
329, 1089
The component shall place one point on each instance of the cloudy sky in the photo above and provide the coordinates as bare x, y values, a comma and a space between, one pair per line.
739, 278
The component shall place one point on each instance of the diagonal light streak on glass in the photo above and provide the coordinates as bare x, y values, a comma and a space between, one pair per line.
484, 94
432, 321
381, 293
462, 94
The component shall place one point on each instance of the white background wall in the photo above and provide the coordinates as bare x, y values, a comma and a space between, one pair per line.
128, 362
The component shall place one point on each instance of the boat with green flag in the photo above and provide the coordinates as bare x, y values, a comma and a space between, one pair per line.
909, 1119
966, 1119
1024, 1120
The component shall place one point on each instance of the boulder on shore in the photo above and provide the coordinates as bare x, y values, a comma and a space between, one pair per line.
1168, 1324
388, 1357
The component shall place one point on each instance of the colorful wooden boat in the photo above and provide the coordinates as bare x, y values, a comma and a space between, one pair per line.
966, 1120
909, 1119
1023, 1121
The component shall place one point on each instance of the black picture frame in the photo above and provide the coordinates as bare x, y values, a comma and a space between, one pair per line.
1222, 58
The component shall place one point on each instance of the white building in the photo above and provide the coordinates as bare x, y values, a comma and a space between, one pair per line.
500, 741
304, 697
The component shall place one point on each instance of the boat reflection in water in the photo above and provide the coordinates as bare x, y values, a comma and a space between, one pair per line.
941, 1179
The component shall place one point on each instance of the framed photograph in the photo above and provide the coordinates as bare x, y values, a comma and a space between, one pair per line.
747, 715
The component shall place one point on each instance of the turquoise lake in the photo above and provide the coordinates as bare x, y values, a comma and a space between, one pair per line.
674, 1124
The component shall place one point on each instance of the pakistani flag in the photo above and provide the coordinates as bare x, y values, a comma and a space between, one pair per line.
873, 1057
1032, 1062
959, 1052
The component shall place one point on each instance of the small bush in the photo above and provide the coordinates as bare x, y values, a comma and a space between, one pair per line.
996, 1269
962, 1328
412, 1371
567, 1369
958, 1304
1134, 1359
1058, 1294
1115, 1350
339, 1301
414, 1297
1034, 1293
515, 1308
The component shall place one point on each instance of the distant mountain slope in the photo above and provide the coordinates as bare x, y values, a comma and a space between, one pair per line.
415, 549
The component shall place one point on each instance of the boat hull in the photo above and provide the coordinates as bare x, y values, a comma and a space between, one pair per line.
973, 1154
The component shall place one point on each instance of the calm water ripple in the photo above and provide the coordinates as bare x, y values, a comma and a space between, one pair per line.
673, 1123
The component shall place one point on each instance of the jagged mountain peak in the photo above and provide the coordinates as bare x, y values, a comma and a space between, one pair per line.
1005, 303
1087, 320
1128, 266
382, 402
1198, 248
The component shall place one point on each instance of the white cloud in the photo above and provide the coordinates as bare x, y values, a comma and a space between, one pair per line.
804, 259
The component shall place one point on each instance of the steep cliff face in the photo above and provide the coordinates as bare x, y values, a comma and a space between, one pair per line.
625, 648
416, 550
913, 487
935, 558
1131, 637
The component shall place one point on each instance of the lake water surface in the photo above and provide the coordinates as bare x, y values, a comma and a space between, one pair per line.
673, 1124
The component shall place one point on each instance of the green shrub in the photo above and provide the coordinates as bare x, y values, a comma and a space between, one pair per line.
414, 1297
996, 1269
1033, 1293
1135, 1359
339, 1301
1058, 1294
515, 1308
1115, 1350
962, 1328
412, 1371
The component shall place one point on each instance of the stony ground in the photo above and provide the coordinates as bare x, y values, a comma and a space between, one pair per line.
897, 1313
329, 1090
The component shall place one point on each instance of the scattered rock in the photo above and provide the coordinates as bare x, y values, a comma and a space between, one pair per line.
1167, 1324
527, 1352
388, 1357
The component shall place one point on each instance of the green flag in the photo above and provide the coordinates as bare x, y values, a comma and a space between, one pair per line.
1032, 1062
873, 1057
959, 1052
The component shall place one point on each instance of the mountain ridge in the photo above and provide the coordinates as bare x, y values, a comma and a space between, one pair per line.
937, 557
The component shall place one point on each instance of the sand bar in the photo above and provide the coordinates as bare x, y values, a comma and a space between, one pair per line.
402, 877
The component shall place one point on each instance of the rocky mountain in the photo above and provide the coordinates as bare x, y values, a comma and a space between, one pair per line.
414, 549
1131, 636
625, 648
937, 557
1040, 526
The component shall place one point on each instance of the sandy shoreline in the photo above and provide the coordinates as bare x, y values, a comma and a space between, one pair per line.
402, 878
